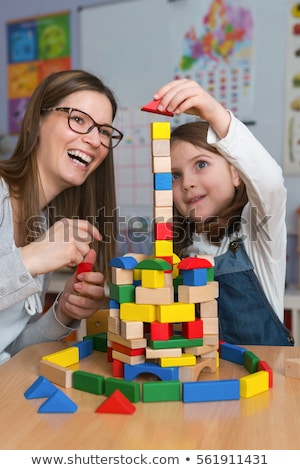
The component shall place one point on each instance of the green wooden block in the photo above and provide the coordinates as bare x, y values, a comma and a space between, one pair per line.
154, 264
176, 341
178, 281
131, 390
101, 341
123, 293
250, 362
88, 382
168, 390
210, 274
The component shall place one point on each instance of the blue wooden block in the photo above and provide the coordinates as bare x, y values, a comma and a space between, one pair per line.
232, 353
214, 390
164, 373
114, 304
124, 262
85, 348
195, 277
162, 181
58, 403
41, 388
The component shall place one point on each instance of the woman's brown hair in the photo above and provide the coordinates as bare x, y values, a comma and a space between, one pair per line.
94, 200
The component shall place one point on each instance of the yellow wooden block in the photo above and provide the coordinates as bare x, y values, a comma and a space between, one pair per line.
64, 358
137, 274
152, 278
160, 130
253, 384
184, 360
176, 312
131, 311
163, 248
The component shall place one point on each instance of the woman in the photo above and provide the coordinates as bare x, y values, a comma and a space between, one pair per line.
57, 192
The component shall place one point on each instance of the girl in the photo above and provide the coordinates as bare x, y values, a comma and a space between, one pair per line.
230, 201
53, 192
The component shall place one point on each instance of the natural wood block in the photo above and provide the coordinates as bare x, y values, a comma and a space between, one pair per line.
292, 368
129, 343
163, 214
98, 323
160, 148
191, 374
161, 295
114, 325
210, 326
132, 329
161, 165
196, 294
209, 309
163, 198
57, 374
121, 276
132, 360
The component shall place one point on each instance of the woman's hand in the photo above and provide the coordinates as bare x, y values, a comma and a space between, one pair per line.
82, 294
66, 243
187, 96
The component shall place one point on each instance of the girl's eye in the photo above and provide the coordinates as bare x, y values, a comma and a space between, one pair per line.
175, 176
201, 164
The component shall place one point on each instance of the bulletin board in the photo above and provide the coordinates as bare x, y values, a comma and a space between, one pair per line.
136, 46
36, 47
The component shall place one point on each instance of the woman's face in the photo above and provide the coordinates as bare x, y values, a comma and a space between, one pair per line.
64, 157
203, 181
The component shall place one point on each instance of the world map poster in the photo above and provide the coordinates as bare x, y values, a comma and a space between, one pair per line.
216, 49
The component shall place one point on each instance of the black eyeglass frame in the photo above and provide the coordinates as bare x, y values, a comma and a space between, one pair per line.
95, 124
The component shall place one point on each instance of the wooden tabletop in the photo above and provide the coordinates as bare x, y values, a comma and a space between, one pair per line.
270, 420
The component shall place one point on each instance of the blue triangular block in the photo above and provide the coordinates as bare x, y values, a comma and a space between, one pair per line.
41, 388
58, 403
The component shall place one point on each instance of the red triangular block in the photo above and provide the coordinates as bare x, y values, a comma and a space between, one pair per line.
116, 403
152, 108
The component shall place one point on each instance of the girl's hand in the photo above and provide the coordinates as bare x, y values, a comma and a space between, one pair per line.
187, 96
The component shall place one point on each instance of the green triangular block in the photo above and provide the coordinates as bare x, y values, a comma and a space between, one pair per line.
41, 388
58, 403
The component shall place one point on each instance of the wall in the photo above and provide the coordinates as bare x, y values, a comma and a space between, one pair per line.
270, 74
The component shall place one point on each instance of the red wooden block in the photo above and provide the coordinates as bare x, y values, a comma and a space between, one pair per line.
151, 107
117, 368
163, 231
84, 268
109, 354
193, 329
116, 403
161, 331
125, 350
194, 263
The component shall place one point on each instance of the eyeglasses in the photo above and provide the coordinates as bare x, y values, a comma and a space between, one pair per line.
82, 123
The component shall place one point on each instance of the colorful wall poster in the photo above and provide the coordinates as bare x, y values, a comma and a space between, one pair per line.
36, 47
292, 107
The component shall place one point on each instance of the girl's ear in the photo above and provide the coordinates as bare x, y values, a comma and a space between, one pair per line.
236, 179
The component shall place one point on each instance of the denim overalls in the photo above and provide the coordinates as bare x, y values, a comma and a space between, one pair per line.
245, 314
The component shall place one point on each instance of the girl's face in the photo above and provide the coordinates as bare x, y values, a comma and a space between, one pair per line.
203, 181
64, 157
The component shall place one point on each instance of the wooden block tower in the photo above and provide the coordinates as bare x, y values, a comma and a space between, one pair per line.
152, 325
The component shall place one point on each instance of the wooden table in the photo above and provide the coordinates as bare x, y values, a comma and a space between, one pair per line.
270, 420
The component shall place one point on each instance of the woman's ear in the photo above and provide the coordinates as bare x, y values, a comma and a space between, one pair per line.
236, 179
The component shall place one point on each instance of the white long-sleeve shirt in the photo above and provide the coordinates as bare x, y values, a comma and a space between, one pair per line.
21, 295
263, 227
